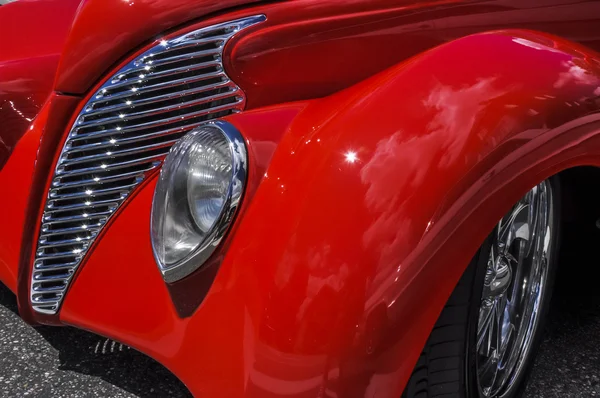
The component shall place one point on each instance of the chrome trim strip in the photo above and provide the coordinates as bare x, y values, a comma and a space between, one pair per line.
136, 127
119, 153
157, 111
164, 97
206, 87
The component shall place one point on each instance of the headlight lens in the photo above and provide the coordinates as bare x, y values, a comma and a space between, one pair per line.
199, 189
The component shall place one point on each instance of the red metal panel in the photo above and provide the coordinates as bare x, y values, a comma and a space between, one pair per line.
15, 180
31, 29
374, 202
32, 35
309, 49
24, 86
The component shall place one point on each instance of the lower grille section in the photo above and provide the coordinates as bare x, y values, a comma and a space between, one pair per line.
124, 132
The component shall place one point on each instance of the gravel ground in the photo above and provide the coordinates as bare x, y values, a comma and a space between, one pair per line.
66, 362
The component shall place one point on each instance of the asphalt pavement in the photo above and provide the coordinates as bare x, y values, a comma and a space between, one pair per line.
66, 362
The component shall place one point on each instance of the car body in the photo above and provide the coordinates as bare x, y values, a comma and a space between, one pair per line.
385, 139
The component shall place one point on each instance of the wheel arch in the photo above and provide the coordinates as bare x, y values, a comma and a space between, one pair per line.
580, 224
390, 187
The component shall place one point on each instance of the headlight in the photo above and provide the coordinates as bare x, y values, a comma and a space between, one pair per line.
199, 189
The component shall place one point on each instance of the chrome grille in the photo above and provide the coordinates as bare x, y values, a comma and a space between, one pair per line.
123, 132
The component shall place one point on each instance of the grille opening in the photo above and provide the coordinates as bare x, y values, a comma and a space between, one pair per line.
52, 284
149, 94
64, 249
98, 186
58, 272
72, 236
195, 63
182, 50
149, 107
136, 135
187, 110
115, 148
225, 30
173, 118
104, 174
110, 162
167, 68
59, 261
76, 201
141, 84
80, 212
46, 296
92, 222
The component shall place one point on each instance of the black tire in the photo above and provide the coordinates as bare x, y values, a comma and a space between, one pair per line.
446, 367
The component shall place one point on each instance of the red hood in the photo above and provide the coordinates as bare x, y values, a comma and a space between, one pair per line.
105, 31
33, 33
34, 28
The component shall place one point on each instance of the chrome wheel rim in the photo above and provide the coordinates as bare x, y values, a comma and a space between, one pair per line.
514, 287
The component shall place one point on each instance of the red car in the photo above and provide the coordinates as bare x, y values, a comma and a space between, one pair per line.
307, 198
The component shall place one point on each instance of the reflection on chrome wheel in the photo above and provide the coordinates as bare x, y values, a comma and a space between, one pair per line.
514, 286
484, 341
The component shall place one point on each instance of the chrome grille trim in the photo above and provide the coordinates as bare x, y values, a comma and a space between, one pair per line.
160, 110
117, 131
123, 132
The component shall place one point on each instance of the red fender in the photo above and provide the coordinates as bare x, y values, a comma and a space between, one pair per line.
373, 204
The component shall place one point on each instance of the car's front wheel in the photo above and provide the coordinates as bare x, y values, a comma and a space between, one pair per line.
484, 341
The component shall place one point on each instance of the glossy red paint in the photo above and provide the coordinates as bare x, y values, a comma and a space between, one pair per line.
17, 174
32, 33
24, 86
307, 48
339, 266
35, 28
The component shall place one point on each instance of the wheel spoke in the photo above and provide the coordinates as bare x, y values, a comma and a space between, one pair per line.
506, 325
533, 217
499, 321
484, 329
517, 270
514, 226
487, 375
489, 275
521, 230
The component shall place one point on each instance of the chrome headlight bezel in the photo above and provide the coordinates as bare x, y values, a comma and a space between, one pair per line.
171, 169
